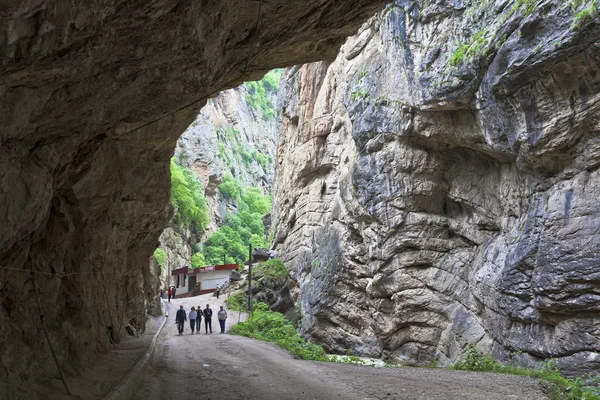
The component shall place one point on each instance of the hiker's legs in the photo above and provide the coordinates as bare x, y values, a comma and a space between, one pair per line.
198, 324
192, 324
222, 323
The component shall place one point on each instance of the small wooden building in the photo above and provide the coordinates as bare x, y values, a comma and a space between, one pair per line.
195, 281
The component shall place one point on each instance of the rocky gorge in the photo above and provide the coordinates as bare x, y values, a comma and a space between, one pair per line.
437, 185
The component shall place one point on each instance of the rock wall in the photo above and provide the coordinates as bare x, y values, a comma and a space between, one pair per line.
437, 185
93, 98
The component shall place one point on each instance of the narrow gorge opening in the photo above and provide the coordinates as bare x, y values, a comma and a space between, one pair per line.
222, 175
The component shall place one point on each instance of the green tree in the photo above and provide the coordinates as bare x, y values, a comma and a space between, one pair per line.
256, 201
161, 257
260, 91
198, 260
240, 230
186, 195
230, 188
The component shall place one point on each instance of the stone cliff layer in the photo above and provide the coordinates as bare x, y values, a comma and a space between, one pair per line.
93, 98
437, 184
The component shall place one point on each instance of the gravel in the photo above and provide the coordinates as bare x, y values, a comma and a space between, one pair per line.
221, 366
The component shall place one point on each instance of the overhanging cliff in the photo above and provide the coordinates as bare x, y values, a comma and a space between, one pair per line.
93, 99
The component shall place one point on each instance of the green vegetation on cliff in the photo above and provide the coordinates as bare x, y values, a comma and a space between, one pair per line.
273, 271
191, 208
583, 10
230, 188
234, 152
230, 243
161, 257
260, 91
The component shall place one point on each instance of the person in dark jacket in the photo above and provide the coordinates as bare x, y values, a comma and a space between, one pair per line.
207, 319
198, 319
180, 319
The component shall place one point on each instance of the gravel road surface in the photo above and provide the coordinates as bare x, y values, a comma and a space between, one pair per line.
226, 367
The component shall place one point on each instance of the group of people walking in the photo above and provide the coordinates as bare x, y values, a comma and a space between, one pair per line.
195, 317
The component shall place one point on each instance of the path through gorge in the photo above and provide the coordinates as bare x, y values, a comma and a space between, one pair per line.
232, 367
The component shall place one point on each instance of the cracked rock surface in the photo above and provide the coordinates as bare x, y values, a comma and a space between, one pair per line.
437, 185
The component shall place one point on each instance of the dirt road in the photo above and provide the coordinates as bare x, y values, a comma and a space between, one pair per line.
225, 367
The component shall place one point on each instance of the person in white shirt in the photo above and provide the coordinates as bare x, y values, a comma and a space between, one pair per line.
193, 314
222, 315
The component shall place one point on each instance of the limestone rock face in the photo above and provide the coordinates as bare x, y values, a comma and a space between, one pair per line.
93, 99
437, 185
214, 145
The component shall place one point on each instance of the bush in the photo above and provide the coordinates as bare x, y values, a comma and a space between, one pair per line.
474, 360
571, 389
230, 188
274, 327
274, 270
186, 195
161, 257
237, 301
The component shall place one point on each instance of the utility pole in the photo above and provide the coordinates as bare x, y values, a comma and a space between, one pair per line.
250, 308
